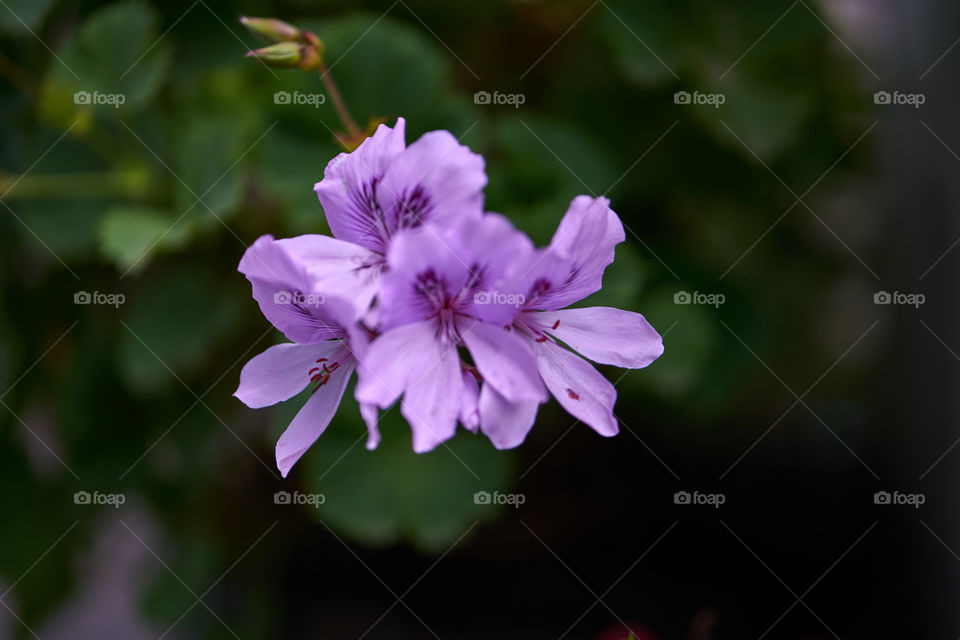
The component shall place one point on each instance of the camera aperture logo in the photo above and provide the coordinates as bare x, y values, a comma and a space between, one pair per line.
298, 298
298, 98
96, 498
512, 99
86, 297
912, 99
495, 297
909, 299
513, 499
711, 299
897, 498
699, 499
312, 499
712, 99
112, 99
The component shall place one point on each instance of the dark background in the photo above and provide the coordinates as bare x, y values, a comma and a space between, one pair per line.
797, 399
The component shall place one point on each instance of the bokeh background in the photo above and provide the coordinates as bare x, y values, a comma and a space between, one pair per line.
795, 203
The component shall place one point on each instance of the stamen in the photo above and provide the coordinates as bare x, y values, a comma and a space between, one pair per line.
573, 394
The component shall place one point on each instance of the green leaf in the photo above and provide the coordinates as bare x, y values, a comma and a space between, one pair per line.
21, 16
209, 163
114, 62
130, 235
382, 496
175, 320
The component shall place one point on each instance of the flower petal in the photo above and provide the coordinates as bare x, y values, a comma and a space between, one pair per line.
336, 268
348, 191
579, 252
469, 407
393, 361
505, 423
312, 419
433, 179
284, 290
282, 371
604, 335
431, 402
372, 418
504, 359
578, 387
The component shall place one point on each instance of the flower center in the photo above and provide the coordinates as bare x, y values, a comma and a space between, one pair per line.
321, 374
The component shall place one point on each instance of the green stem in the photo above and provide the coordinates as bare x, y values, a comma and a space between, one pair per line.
348, 122
75, 185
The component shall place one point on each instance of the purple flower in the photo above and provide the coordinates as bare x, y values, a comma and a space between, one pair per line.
567, 271
434, 301
469, 325
384, 187
323, 351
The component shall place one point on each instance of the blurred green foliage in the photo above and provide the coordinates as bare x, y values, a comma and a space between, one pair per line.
156, 198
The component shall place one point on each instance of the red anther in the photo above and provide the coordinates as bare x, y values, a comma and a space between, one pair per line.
556, 324
573, 394
541, 339
507, 327
312, 370
321, 359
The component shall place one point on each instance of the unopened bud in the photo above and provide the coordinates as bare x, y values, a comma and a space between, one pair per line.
272, 30
290, 55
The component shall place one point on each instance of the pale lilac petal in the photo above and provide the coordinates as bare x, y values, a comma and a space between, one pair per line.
604, 335
337, 268
284, 290
431, 402
415, 256
393, 361
578, 387
505, 423
499, 258
580, 251
433, 179
589, 226
504, 359
372, 418
469, 267
312, 419
282, 371
469, 403
348, 191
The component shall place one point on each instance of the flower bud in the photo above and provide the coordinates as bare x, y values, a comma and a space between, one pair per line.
272, 30
289, 55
